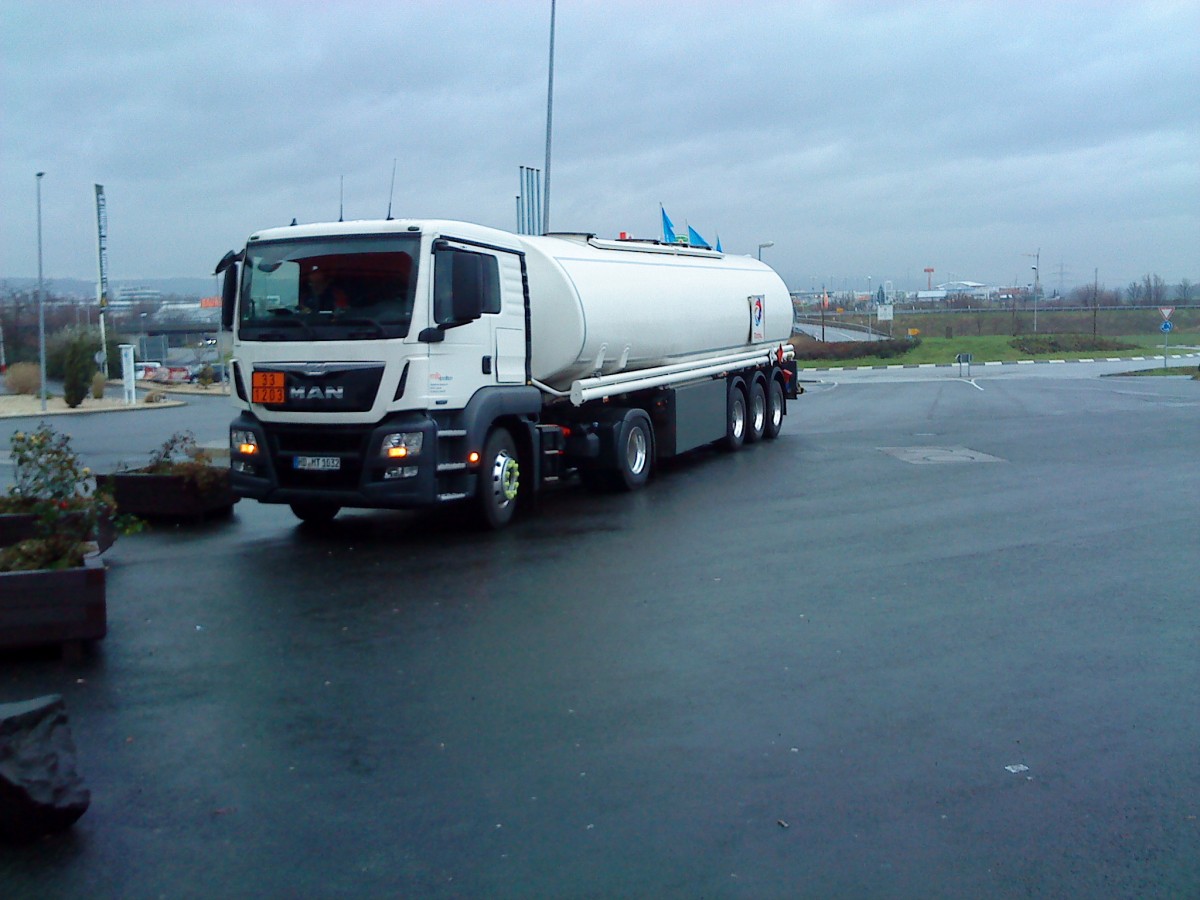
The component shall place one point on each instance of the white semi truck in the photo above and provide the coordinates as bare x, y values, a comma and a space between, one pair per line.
407, 363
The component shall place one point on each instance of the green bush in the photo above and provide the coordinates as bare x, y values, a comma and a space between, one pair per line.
78, 369
1066, 343
838, 350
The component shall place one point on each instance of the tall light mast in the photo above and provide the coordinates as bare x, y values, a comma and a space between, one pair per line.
549, 120
102, 283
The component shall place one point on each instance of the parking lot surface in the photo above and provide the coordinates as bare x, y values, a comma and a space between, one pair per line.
939, 639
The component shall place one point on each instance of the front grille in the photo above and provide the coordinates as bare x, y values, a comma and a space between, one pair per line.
324, 441
348, 443
345, 478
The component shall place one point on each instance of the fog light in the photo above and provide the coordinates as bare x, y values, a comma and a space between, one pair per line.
244, 467
401, 445
399, 472
243, 442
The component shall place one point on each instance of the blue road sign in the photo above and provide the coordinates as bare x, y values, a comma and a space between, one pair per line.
1165, 327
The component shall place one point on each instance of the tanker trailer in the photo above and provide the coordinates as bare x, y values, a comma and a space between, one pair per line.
407, 363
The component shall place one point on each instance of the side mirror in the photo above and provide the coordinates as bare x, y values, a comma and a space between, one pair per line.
458, 287
229, 297
228, 265
467, 299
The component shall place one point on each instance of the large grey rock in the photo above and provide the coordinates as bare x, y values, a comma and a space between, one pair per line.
40, 791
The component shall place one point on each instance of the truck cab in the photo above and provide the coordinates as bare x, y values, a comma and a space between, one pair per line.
371, 359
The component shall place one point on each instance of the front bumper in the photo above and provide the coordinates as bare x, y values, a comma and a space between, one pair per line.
362, 477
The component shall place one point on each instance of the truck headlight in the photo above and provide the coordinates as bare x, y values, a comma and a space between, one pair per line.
402, 445
244, 442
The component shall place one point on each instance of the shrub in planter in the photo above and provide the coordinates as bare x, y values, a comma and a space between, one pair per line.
98, 384
52, 492
180, 481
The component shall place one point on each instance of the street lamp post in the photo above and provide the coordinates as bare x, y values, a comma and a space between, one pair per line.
1035, 297
41, 297
764, 246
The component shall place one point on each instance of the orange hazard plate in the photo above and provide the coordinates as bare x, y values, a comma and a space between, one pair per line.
266, 387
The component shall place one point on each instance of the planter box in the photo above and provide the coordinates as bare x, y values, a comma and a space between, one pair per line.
168, 496
17, 527
53, 606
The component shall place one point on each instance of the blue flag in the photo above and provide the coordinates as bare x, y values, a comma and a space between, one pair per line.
695, 240
719, 250
668, 228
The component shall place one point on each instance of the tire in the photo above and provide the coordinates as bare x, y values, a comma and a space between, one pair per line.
635, 452
756, 425
499, 485
315, 512
774, 423
735, 416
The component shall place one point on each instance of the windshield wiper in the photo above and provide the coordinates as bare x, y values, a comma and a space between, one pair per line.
270, 335
380, 331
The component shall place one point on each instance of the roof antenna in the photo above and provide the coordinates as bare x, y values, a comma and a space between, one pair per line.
342, 199
392, 189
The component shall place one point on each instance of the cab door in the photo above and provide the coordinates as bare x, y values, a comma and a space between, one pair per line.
480, 341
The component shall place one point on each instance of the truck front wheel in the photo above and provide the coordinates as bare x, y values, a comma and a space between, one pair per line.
499, 480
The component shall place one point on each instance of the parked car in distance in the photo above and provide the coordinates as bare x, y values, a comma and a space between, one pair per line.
144, 371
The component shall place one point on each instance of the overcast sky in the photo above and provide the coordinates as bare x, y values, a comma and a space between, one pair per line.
863, 139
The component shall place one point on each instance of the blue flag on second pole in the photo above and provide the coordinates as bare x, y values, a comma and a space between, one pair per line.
695, 240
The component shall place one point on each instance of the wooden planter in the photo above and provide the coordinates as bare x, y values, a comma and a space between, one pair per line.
53, 606
17, 527
169, 496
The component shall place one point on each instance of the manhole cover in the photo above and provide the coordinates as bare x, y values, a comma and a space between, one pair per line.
928, 456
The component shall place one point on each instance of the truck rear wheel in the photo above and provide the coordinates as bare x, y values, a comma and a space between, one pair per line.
757, 424
774, 423
315, 512
735, 415
635, 449
499, 480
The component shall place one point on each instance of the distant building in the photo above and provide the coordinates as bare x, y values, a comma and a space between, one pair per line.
133, 295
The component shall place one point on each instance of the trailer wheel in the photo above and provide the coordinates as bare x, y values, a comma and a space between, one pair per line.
774, 423
315, 512
757, 424
735, 415
499, 480
635, 449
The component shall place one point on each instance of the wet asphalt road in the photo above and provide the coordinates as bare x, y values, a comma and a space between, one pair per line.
801, 670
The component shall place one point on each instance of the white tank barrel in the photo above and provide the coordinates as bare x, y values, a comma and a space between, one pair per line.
600, 307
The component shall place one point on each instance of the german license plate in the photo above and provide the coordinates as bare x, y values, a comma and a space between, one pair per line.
318, 463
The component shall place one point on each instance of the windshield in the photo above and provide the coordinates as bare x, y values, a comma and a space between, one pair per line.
335, 289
